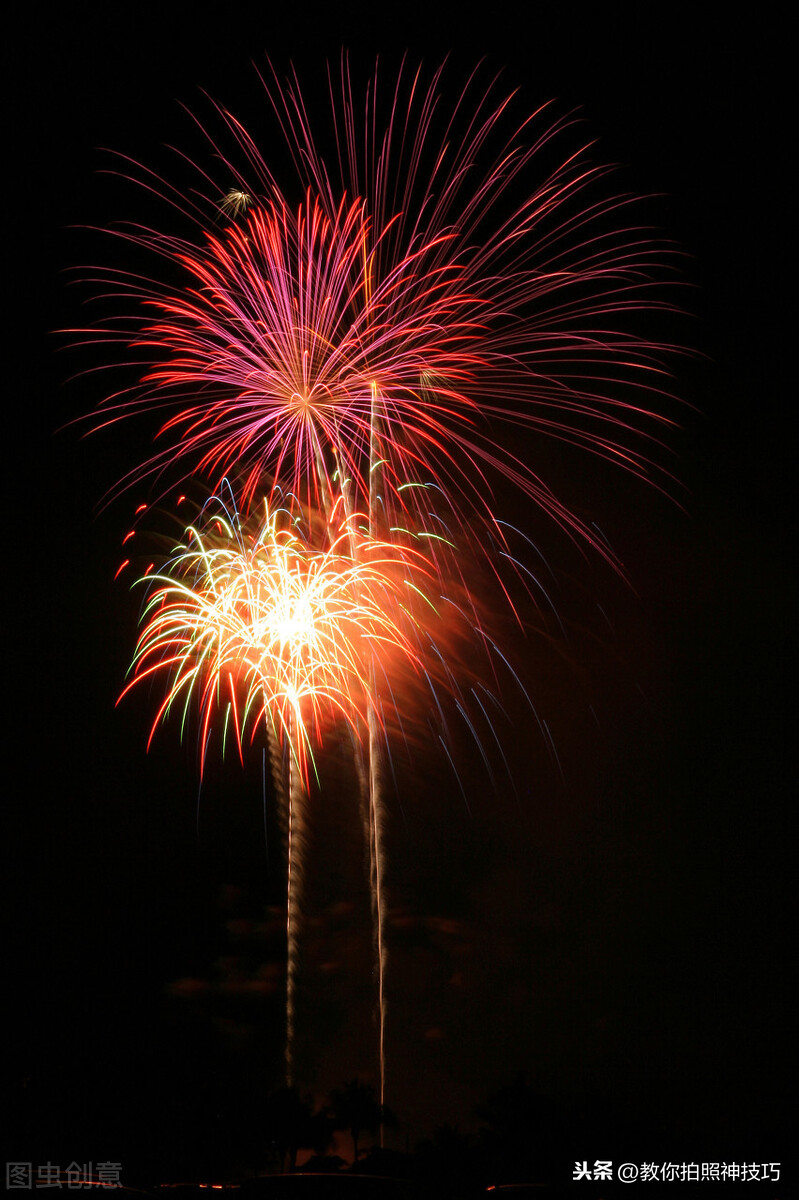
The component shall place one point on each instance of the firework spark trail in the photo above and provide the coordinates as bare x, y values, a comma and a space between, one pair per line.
376, 798
297, 800
376, 831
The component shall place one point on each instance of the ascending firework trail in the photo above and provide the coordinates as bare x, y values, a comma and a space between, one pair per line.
259, 628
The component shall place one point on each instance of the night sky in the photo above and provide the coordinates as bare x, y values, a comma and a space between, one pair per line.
609, 920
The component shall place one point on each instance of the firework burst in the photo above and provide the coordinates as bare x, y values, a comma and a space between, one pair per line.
405, 309
263, 626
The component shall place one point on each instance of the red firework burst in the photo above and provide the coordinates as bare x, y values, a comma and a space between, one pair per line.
393, 325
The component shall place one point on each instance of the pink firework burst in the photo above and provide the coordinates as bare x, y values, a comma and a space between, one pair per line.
407, 315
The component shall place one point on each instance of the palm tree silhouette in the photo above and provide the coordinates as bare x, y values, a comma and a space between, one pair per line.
355, 1107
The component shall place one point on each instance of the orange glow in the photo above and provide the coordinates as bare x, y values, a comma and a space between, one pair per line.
259, 626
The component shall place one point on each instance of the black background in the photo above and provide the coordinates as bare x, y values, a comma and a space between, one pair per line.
619, 934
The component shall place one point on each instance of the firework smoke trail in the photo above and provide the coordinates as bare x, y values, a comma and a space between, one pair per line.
297, 799
290, 635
